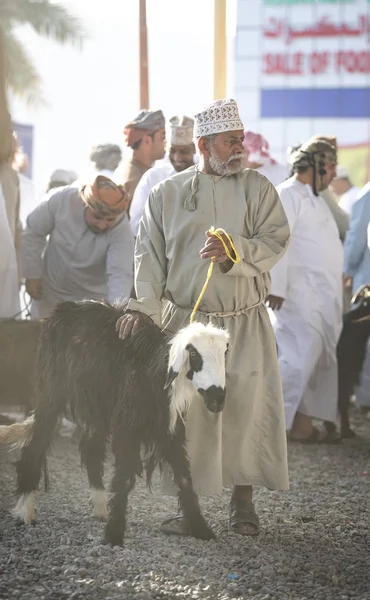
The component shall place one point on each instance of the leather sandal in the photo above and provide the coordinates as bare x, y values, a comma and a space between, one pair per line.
243, 515
317, 437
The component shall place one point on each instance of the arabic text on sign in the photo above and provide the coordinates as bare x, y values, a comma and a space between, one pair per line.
280, 28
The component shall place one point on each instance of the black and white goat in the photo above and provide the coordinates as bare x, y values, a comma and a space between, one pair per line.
351, 351
135, 391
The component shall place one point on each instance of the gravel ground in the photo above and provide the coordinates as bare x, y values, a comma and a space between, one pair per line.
314, 543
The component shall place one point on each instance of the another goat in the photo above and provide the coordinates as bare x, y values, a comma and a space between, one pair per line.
351, 351
15, 433
135, 390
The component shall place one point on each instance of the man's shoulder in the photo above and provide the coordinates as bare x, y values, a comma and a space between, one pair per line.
64, 199
253, 177
157, 174
130, 169
364, 193
289, 187
177, 180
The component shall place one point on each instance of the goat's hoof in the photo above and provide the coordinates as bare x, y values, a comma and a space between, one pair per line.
112, 540
204, 533
112, 536
348, 434
19, 522
100, 518
24, 510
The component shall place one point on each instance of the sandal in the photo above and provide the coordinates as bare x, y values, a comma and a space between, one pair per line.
177, 525
316, 437
243, 520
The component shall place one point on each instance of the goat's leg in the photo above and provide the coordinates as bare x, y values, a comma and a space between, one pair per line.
92, 450
344, 398
126, 450
176, 456
33, 461
50, 404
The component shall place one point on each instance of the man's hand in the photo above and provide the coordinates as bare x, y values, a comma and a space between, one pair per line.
130, 322
34, 288
274, 302
347, 281
215, 250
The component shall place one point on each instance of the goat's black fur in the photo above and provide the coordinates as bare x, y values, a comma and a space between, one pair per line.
351, 351
112, 388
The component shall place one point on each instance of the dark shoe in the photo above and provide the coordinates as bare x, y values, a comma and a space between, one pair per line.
243, 518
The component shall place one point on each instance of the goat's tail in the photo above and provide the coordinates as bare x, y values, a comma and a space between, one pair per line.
16, 434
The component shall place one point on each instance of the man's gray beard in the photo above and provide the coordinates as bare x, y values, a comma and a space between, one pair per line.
220, 167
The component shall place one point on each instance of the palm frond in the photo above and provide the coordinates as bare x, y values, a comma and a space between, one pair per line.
47, 18
21, 75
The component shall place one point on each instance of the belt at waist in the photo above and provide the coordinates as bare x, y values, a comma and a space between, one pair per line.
223, 314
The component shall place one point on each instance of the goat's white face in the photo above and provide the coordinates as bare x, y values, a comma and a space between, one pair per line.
197, 359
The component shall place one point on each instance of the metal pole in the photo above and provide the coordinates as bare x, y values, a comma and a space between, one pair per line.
219, 68
144, 78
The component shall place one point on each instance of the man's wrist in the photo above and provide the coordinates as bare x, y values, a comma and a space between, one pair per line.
226, 266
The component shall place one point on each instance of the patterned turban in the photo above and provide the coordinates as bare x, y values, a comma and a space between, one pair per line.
146, 122
104, 197
315, 153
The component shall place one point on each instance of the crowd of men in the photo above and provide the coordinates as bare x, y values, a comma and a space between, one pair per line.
282, 303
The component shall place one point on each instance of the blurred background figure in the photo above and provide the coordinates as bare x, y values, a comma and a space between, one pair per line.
258, 157
60, 178
344, 189
146, 136
10, 225
28, 193
357, 271
306, 295
181, 156
106, 159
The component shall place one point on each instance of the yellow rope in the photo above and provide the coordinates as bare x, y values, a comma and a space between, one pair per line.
218, 233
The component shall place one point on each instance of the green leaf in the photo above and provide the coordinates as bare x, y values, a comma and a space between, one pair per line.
48, 19
21, 74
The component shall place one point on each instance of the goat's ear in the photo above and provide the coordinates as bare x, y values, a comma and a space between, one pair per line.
171, 376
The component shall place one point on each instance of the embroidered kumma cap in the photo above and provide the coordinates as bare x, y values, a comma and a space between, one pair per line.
220, 116
181, 131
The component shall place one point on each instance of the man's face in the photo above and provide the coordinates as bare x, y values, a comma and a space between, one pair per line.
158, 144
182, 157
226, 152
98, 224
325, 180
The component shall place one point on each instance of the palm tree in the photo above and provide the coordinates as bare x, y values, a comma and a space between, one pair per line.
46, 19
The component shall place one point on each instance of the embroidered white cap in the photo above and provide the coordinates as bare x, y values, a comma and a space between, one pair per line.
222, 115
181, 131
